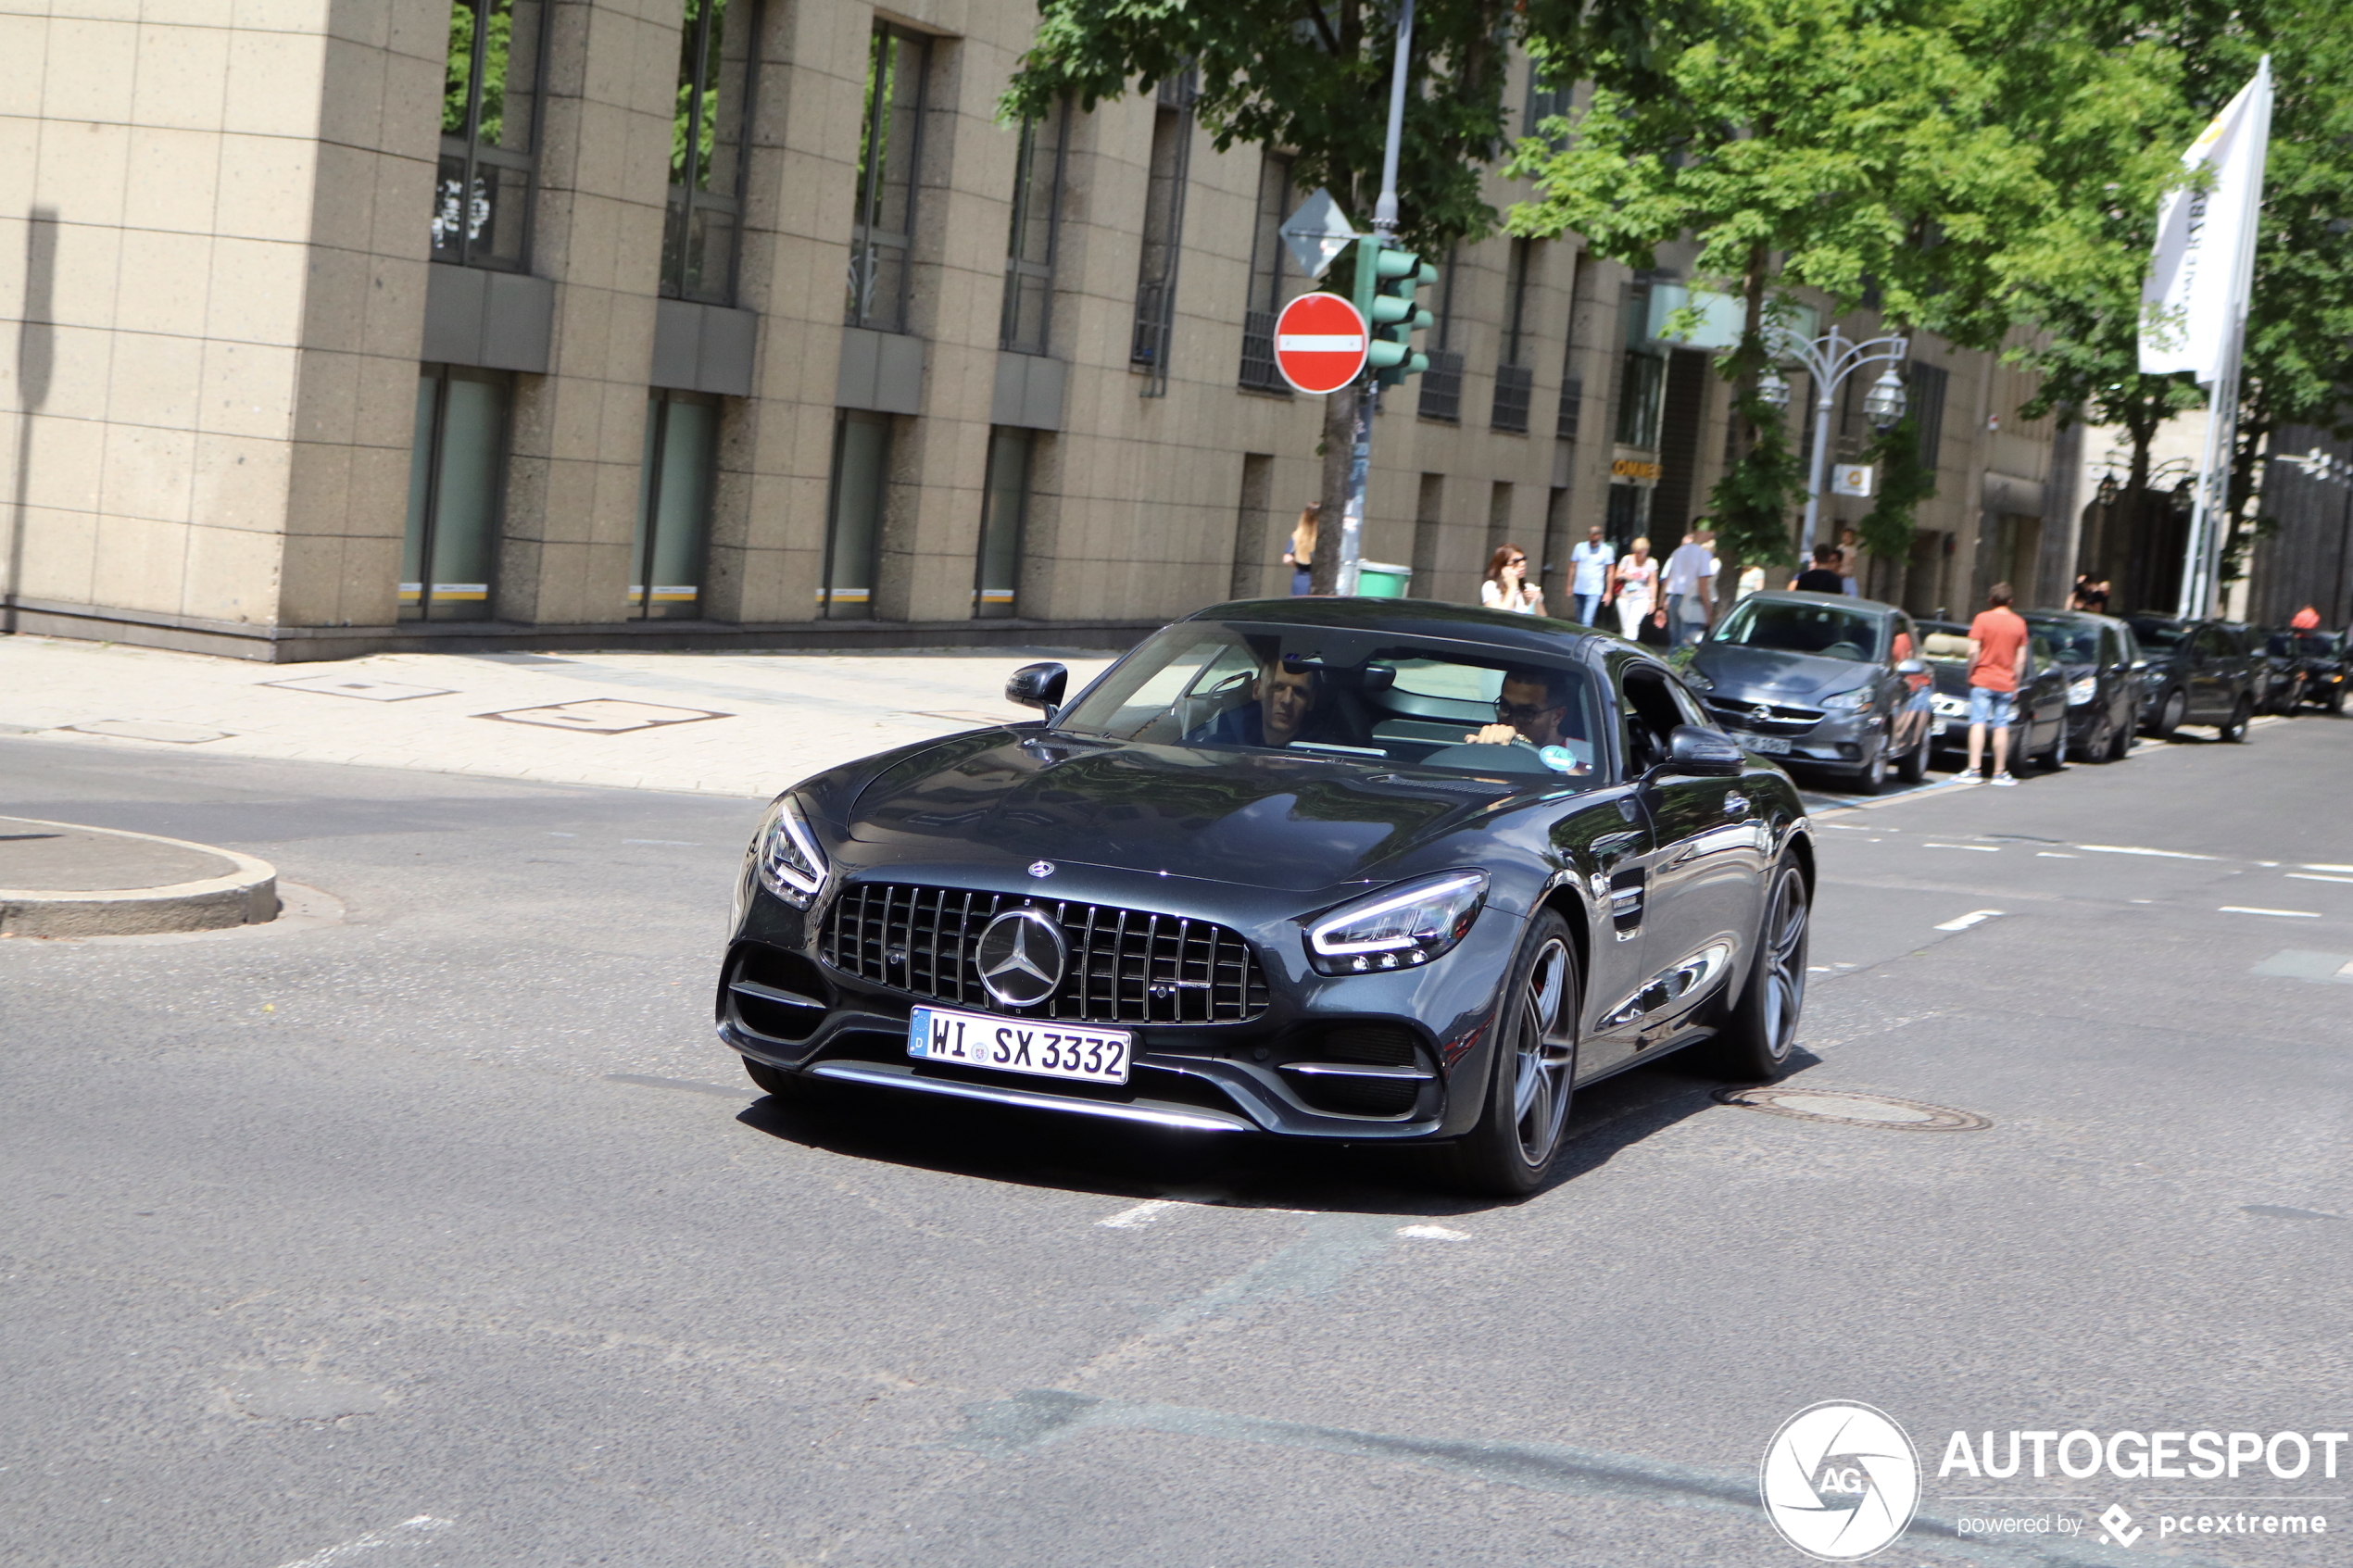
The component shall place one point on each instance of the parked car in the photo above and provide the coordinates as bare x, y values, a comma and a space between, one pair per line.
1360, 870
2102, 689
2327, 666
2278, 666
2197, 673
1819, 680
2038, 725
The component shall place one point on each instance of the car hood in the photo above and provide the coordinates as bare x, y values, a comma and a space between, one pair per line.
1256, 817
1775, 675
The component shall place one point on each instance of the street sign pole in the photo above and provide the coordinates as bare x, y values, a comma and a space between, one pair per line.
1360, 456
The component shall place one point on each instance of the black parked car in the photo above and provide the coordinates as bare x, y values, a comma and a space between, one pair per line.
1353, 870
2279, 668
2103, 686
1819, 681
2197, 673
2038, 723
2327, 666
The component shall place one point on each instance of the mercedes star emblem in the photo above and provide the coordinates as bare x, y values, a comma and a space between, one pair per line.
1021, 957
1041, 868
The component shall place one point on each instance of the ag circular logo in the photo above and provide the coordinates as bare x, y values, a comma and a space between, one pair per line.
1840, 1481
1021, 957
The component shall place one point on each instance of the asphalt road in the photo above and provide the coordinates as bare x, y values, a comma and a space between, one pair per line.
443, 1232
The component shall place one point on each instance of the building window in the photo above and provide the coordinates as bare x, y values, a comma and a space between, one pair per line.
718, 61
1927, 410
890, 166
1544, 102
1443, 382
489, 118
1268, 254
1627, 515
1036, 230
854, 513
1640, 399
1163, 231
1004, 506
673, 505
1515, 378
456, 472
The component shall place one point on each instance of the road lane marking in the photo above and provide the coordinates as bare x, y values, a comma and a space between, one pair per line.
1974, 917
1144, 1213
2283, 914
2315, 876
411, 1529
2055, 855
1981, 848
2326, 868
1432, 1232
2137, 849
692, 1088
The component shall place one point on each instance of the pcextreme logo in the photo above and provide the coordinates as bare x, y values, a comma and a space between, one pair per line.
1840, 1481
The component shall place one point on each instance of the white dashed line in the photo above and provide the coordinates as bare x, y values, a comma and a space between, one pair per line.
423, 1524
2055, 855
1973, 918
1981, 848
1144, 1213
1432, 1232
2315, 876
2137, 849
2319, 868
2283, 914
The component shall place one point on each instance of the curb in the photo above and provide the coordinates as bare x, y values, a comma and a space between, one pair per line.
248, 895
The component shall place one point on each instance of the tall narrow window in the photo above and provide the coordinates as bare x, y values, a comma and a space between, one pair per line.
854, 514
1164, 231
1443, 382
1546, 102
489, 117
1029, 250
673, 505
1268, 254
455, 473
1638, 398
1004, 508
890, 166
1515, 378
718, 58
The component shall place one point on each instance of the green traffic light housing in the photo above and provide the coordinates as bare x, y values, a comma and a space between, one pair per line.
1386, 279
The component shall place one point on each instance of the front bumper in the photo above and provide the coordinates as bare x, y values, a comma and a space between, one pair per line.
1832, 740
1362, 1057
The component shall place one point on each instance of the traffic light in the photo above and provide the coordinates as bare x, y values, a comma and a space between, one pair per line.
1386, 279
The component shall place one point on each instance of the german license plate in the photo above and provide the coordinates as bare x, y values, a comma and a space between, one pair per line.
1770, 746
1018, 1045
1937, 728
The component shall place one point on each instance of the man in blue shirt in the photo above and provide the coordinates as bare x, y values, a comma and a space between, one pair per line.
1590, 563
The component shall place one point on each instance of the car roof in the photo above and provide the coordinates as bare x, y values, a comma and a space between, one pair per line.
1424, 618
2081, 615
1801, 595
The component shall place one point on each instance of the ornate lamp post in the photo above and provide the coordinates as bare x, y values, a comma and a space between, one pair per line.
1830, 359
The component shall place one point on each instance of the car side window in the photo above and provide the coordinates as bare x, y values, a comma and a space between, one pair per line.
1649, 715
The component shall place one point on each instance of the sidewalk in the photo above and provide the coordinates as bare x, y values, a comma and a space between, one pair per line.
732, 725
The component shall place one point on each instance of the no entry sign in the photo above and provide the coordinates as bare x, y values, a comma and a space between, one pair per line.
1319, 342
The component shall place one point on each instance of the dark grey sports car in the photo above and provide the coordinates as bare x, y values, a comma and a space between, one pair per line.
1357, 870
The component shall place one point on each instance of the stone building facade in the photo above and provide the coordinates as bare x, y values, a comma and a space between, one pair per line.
342, 325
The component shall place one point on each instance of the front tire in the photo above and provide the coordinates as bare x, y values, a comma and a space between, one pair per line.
1871, 777
2235, 730
1761, 1031
1510, 1151
2100, 744
1914, 768
2171, 714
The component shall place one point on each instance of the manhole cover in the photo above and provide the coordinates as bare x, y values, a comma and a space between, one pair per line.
1852, 1108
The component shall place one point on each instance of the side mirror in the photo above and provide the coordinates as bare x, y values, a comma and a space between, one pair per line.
1911, 667
1704, 753
1037, 686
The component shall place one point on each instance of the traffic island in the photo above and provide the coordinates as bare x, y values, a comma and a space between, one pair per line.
61, 879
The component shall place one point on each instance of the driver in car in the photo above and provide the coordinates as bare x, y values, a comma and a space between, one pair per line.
1528, 712
1285, 700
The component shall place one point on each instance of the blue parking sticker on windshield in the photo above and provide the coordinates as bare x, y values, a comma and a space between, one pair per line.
1559, 758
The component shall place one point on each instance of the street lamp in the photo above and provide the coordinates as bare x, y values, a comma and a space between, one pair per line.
1773, 388
1830, 359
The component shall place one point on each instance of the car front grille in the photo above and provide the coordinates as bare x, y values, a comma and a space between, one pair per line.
1126, 966
1779, 720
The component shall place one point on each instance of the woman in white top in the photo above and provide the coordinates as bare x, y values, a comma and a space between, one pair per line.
1507, 586
1635, 587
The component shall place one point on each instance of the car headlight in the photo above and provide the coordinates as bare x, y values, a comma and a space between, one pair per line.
786, 855
2083, 689
1849, 702
1397, 927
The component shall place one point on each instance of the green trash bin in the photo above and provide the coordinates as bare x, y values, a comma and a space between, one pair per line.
1379, 580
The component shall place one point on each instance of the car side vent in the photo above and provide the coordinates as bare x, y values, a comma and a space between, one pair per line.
1361, 1097
779, 994
1361, 1070
1385, 1045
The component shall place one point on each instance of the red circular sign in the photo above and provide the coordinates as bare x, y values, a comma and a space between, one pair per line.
1319, 342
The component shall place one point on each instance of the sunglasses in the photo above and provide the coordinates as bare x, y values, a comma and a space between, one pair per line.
1513, 712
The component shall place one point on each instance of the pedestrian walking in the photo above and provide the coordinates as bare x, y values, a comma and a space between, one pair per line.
1588, 581
1996, 665
1507, 586
2089, 595
1850, 564
1822, 576
1300, 557
1690, 590
1633, 586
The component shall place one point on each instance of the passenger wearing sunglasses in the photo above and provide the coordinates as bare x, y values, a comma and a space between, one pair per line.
1528, 712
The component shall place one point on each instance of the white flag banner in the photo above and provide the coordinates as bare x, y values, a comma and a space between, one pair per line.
2201, 271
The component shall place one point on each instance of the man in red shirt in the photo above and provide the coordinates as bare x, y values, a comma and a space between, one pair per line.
1997, 666
2307, 620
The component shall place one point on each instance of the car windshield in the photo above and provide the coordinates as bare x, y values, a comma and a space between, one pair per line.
2071, 641
1346, 693
2323, 645
2160, 633
1798, 626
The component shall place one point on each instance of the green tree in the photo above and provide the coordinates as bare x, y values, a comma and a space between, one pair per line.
1929, 153
1312, 79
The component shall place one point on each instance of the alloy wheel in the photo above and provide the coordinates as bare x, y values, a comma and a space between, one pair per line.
1784, 995
1544, 1050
